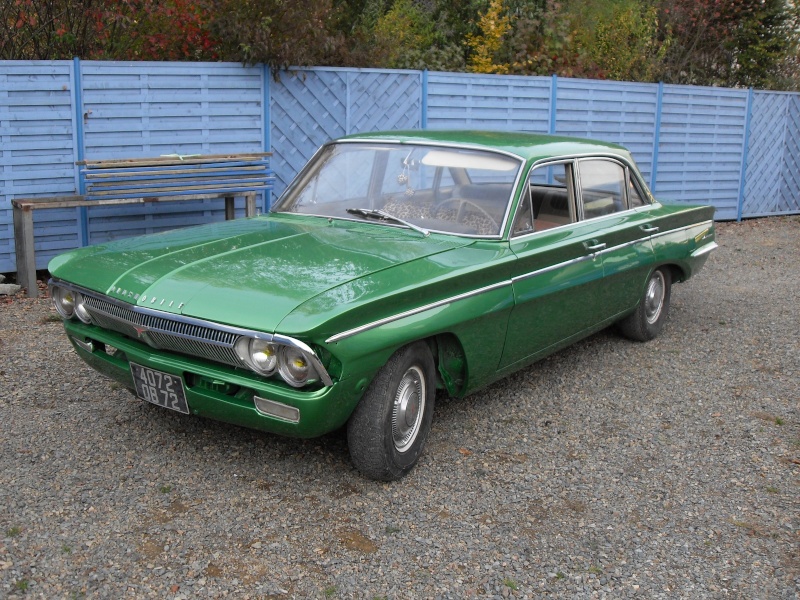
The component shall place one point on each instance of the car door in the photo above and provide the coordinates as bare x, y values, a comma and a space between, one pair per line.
608, 205
558, 275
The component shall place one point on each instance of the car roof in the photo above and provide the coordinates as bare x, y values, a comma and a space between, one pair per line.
529, 146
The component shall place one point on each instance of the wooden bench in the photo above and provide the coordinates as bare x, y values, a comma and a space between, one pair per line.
145, 181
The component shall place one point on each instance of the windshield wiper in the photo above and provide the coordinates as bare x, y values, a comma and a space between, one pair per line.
384, 216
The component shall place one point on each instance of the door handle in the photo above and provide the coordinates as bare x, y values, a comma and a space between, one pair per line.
595, 246
649, 228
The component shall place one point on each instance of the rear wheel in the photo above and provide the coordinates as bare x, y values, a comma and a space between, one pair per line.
389, 427
647, 321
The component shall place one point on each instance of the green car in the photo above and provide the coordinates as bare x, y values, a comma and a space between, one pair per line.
395, 264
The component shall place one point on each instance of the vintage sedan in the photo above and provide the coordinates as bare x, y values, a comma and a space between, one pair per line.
395, 265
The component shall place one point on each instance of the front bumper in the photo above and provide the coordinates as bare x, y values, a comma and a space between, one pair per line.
218, 391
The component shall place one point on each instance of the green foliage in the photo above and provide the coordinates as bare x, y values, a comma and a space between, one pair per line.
403, 34
277, 32
731, 43
546, 39
485, 46
704, 42
625, 45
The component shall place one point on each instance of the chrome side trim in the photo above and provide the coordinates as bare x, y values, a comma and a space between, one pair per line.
414, 311
684, 228
178, 333
703, 250
561, 265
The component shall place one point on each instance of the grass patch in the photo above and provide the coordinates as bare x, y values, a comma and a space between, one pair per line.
772, 489
390, 530
66, 549
165, 489
51, 319
13, 531
779, 421
329, 591
22, 585
560, 575
595, 570
510, 584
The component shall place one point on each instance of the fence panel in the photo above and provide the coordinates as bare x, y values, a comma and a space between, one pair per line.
790, 189
307, 108
765, 153
612, 111
312, 106
504, 102
37, 151
148, 109
701, 144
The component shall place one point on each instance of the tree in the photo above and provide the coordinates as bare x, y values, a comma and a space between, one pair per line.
485, 46
279, 33
625, 44
728, 42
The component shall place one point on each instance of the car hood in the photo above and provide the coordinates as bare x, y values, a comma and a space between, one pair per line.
247, 273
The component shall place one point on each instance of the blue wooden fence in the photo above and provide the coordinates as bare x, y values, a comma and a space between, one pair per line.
737, 149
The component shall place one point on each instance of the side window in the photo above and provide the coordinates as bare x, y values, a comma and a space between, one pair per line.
634, 197
552, 194
523, 221
602, 185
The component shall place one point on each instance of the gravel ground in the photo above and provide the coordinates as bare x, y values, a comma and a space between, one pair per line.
611, 470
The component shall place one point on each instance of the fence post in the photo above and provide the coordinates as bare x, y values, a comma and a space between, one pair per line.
267, 116
745, 150
656, 137
77, 100
424, 100
553, 103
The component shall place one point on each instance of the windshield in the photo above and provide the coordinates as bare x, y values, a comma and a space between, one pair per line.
451, 190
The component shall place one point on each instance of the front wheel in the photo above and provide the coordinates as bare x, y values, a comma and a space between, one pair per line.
388, 429
647, 321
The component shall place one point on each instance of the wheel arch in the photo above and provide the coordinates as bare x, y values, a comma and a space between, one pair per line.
451, 362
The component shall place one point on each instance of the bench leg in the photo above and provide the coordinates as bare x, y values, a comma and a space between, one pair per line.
250, 204
230, 208
23, 246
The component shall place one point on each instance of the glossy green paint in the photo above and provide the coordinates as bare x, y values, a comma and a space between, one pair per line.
319, 280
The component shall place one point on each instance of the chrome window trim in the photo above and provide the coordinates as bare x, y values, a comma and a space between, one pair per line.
415, 311
237, 331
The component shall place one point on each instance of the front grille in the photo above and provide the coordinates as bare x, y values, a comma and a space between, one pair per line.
164, 333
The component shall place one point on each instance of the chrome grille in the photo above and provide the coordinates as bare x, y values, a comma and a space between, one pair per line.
164, 333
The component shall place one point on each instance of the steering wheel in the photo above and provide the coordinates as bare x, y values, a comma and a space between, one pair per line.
463, 202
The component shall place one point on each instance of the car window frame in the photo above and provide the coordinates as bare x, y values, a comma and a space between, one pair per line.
570, 184
579, 190
632, 174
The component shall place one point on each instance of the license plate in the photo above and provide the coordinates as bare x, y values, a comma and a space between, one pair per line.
159, 388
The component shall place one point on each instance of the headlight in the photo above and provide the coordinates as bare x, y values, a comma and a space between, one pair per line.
80, 308
259, 355
295, 368
70, 304
64, 301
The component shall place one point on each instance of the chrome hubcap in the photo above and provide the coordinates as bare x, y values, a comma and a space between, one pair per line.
409, 406
654, 297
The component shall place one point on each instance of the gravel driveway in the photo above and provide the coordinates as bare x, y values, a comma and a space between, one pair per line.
611, 470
